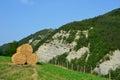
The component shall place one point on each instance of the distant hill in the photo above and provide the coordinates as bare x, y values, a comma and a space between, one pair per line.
93, 43
10, 48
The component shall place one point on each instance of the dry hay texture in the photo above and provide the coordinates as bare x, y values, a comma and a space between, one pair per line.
18, 59
32, 59
25, 49
25, 55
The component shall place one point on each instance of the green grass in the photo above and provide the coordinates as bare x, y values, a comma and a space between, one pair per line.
9, 71
50, 72
4, 59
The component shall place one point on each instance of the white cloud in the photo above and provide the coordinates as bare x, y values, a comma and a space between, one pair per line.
25, 1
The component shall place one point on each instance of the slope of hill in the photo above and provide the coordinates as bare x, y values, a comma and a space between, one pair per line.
42, 71
89, 43
10, 48
35, 38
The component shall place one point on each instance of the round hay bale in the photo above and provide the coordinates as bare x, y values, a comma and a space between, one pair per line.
19, 50
32, 59
19, 58
26, 49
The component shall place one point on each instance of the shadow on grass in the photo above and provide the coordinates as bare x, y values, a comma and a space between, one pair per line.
40, 63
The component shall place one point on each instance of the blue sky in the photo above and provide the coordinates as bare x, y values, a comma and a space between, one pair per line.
20, 18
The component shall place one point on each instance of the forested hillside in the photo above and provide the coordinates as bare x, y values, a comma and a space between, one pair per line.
99, 36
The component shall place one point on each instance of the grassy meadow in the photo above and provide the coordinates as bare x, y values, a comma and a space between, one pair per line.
42, 71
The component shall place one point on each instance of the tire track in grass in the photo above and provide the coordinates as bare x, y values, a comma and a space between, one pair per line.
35, 74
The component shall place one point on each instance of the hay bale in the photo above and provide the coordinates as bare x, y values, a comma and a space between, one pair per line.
19, 58
25, 49
24, 55
32, 59
19, 50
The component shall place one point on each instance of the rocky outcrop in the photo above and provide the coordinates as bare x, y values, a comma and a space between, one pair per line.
47, 51
77, 54
57, 46
111, 64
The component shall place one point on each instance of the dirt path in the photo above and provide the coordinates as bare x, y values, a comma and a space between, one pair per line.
35, 74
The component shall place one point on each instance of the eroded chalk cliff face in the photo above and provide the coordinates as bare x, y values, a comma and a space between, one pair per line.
112, 62
58, 46
49, 50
